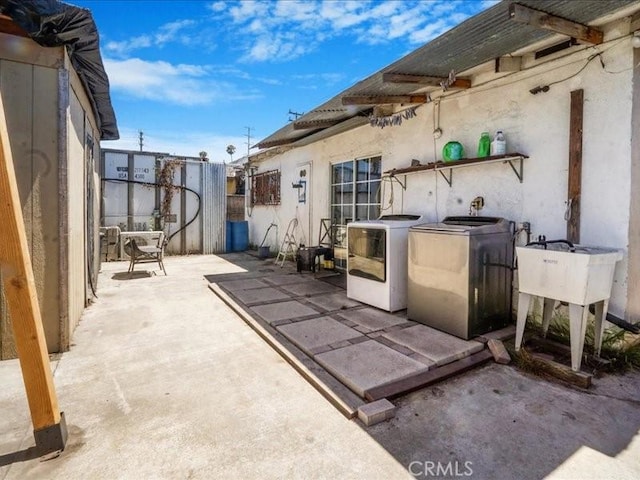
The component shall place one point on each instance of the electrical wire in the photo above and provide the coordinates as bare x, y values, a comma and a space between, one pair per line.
589, 60
153, 184
615, 72
478, 88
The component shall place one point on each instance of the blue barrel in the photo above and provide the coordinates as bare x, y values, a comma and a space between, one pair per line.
228, 237
240, 236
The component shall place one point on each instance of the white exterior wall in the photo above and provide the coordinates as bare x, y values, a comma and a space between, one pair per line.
535, 125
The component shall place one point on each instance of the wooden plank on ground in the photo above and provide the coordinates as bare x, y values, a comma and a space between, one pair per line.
21, 295
549, 345
560, 371
423, 379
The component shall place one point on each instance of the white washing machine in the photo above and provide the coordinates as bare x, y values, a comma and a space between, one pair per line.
377, 261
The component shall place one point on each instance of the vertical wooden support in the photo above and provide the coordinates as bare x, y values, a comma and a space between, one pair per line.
633, 270
575, 166
20, 290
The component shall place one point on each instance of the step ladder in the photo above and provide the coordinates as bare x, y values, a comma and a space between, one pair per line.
289, 243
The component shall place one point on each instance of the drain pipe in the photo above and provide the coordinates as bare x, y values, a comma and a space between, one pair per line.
618, 322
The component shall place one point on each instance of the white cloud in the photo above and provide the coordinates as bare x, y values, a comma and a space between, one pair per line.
296, 11
218, 6
169, 32
280, 46
188, 144
181, 84
326, 78
276, 31
122, 47
248, 9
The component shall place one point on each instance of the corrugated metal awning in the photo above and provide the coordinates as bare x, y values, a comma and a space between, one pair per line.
489, 35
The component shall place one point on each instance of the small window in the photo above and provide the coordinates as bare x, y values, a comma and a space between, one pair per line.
265, 188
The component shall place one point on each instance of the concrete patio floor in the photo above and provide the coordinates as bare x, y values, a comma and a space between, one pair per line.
165, 381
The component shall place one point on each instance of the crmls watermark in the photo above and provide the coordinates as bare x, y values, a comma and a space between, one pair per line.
429, 469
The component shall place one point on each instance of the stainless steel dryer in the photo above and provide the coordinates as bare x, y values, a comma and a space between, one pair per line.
459, 275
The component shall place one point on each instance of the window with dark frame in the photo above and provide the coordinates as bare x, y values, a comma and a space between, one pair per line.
355, 195
265, 188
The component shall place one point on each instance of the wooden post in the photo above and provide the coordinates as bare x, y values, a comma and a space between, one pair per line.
575, 166
20, 291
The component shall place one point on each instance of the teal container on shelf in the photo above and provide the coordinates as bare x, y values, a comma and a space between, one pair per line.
452, 151
484, 145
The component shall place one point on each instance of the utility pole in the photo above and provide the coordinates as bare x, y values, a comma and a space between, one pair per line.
141, 139
248, 139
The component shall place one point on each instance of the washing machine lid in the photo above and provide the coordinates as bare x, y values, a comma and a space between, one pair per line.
390, 221
467, 225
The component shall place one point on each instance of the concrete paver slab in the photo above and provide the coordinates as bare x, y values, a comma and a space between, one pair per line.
254, 296
310, 287
243, 284
311, 334
367, 365
372, 319
286, 278
334, 301
283, 311
431, 343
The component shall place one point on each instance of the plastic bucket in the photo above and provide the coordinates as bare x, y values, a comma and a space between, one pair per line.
263, 252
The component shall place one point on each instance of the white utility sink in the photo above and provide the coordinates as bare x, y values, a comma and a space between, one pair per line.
582, 277
579, 276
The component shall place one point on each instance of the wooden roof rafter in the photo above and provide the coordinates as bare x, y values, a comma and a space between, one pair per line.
277, 143
384, 99
545, 21
320, 123
424, 80
7, 25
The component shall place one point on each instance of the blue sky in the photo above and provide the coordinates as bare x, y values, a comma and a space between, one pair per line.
194, 74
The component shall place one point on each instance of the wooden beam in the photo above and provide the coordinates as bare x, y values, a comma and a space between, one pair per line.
575, 166
20, 291
275, 143
308, 124
383, 99
7, 25
539, 19
508, 64
635, 22
425, 80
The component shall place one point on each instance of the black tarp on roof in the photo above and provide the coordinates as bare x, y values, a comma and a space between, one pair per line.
52, 24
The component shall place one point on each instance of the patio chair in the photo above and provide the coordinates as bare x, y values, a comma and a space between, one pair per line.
146, 253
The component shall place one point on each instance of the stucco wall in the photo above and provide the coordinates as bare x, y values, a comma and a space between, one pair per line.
536, 125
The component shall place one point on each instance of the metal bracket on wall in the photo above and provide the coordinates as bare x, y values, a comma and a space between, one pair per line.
520, 171
509, 158
447, 178
402, 185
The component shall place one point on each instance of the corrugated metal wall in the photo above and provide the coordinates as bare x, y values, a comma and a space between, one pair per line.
214, 203
195, 223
